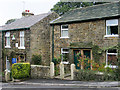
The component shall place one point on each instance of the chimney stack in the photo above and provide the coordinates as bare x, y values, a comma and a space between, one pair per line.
27, 13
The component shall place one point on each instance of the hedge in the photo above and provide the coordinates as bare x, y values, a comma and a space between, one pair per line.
89, 75
21, 70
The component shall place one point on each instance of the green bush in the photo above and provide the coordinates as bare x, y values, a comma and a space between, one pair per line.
85, 75
56, 61
36, 59
21, 70
89, 75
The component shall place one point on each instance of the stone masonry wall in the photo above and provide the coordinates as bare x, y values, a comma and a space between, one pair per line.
15, 49
92, 31
39, 71
40, 38
0, 51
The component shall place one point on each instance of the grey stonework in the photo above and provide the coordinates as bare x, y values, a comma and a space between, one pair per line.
40, 38
37, 41
14, 49
38, 71
0, 51
83, 32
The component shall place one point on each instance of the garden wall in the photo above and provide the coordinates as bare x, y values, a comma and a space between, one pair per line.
39, 71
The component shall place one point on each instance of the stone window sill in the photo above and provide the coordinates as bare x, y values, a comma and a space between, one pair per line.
7, 47
111, 36
111, 66
21, 47
65, 62
64, 37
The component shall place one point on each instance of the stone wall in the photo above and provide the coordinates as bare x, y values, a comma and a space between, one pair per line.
0, 51
85, 32
40, 38
39, 71
16, 50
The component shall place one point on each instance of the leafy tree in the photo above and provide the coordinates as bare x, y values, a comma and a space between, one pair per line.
10, 21
62, 7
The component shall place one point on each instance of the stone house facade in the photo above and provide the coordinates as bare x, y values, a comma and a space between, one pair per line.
27, 36
92, 31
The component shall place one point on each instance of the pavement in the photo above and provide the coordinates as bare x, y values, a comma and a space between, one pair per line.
57, 82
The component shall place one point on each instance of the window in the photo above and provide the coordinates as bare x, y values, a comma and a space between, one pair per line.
65, 54
22, 40
64, 31
112, 27
111, 58
7, 40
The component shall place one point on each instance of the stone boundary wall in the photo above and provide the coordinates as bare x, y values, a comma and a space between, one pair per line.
39, 71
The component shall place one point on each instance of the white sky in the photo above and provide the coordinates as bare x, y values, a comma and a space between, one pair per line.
10, 9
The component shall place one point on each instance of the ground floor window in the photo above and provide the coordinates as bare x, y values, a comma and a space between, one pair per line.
21, 58
111, 58
65, 54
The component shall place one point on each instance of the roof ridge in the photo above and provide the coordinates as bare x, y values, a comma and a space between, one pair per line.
93, 6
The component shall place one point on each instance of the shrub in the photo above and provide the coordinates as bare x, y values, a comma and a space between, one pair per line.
21, 70
88, 75
36, 59
85, 75
56, 61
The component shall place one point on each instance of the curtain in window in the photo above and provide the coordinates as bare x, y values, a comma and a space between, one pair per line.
108, 30
7, 35
64, 33
22, 41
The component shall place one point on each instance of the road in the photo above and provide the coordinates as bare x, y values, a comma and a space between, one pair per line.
49, 87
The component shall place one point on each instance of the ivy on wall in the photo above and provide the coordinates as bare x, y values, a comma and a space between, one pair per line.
97, 53
96, 50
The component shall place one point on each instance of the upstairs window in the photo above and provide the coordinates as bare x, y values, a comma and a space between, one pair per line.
111, 58
22, 40
64, 31
112, 27
7, 40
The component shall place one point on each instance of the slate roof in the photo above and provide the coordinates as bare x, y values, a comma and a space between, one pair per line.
25, 22
88, 13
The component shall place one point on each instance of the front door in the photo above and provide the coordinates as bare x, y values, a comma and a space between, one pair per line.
84, 52
76, 62
87, 53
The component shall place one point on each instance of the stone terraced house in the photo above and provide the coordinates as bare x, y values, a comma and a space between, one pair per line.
27, 36
93, 31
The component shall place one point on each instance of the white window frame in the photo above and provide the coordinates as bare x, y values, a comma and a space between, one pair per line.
110, 66
22, 37
7, 35
108, 23
62, 52
64, 30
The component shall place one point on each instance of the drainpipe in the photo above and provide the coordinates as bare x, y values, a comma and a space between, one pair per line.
119, 41
2, 51
52, 42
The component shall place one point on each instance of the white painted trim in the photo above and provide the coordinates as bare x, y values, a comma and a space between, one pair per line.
64, 30
111, 66
64, 37
7, 47
112, 24
112, 54
65, 62
21, 47
111, 35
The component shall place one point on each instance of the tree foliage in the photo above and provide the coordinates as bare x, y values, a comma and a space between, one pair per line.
10, 21
62, 7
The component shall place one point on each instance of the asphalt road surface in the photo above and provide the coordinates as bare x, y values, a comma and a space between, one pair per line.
42, 87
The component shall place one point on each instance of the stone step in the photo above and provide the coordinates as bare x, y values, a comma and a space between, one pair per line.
67, 75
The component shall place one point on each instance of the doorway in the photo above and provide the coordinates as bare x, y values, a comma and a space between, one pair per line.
84, 52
